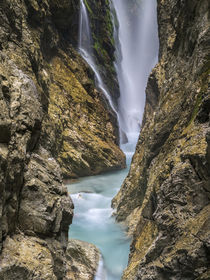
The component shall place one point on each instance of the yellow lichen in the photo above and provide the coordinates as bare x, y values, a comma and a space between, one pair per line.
143, 242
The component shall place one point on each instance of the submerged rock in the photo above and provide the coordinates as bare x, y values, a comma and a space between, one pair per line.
165, 198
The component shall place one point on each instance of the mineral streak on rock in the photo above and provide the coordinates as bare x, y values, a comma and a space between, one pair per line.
165, 198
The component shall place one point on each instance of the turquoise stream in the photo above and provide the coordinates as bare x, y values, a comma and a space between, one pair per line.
93, 221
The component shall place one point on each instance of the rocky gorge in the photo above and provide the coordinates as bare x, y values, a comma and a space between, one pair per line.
55, 124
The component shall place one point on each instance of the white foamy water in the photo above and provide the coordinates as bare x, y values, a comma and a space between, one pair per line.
136, 40
101, 272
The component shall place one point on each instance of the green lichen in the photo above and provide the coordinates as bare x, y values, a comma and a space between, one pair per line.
88, 7
196, 108
203, 90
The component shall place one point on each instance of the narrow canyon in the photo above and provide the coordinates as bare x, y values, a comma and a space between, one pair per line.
104, 140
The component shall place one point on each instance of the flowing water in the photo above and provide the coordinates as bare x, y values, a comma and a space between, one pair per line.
136, 53
137, 43
93, 221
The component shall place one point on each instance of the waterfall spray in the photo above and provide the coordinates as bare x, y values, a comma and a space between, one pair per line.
136, 41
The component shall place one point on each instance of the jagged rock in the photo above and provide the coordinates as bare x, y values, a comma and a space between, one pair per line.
82, 260
43, 53
45, 208
26, 258
165, 198
34, 201
84, 143
24, 113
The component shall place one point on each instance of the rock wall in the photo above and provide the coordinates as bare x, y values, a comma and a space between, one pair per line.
165, 198
36, 209
52, 125
42, 50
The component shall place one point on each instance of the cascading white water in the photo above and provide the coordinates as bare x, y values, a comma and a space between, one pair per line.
137, 43
85, 39
85, 49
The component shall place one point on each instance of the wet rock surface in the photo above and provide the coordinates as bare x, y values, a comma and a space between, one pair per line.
35, 204
86, 133
165, 198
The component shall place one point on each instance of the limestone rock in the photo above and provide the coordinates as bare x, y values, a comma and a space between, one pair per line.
45, 208
44, 53
22, 107
26, 258
34, 202
32, 258
86, 134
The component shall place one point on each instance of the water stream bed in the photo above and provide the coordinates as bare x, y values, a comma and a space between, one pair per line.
93, 221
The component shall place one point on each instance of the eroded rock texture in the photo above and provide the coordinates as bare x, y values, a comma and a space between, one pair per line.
36, 209
83, 259
165, 198
52, 125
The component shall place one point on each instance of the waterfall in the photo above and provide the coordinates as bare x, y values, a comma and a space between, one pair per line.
101, 272
86, 51
85, 40
136, 40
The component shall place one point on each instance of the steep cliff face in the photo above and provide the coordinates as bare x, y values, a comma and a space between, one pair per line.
78, 129
52, 124
36, 209
165, 198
